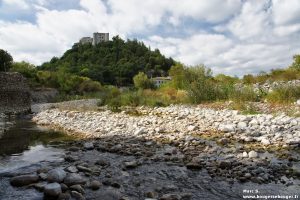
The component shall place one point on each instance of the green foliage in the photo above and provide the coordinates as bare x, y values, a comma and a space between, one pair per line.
27, 70
296, 64
248, 79
114, 62
6, 61
179, 76
141, 81
287, 94
245, 94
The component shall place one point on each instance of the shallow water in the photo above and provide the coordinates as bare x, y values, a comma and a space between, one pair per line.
22, 143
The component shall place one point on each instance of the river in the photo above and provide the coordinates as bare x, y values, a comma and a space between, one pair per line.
25, 147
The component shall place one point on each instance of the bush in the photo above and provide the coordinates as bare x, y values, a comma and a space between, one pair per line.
287, 94
141, 81
245, 94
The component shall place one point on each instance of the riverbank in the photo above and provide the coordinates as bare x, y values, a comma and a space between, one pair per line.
177, 122
175, 152
198, 137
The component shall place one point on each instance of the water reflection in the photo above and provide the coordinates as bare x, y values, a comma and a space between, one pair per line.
20, 135
22, 143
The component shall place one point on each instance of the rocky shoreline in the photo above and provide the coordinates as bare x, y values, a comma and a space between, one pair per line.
176, 152
176, 122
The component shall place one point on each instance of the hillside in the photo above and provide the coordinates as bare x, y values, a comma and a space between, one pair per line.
113, 62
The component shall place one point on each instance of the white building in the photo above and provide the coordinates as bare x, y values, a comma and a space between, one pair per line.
97, 38
86, 40
100, 37
158, 81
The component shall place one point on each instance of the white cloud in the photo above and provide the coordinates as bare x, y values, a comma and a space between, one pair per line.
249, 36
20, 4
286, 11
253, 21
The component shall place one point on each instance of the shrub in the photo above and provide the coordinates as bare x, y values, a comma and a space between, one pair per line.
141, 81
87, 86
287, 94
245, 94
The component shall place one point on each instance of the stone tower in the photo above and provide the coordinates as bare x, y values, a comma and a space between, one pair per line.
100, 37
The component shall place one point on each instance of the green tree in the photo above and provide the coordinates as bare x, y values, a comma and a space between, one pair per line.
296, 63
179, 76
141, 81
26, 69
6, 61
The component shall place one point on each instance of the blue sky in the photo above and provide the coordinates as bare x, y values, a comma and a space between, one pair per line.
234, 37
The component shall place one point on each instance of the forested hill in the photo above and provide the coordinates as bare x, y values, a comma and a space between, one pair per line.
113, 62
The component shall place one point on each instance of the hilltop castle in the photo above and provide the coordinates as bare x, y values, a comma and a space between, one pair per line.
96, 39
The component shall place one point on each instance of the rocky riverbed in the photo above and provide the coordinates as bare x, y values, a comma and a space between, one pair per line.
176, 152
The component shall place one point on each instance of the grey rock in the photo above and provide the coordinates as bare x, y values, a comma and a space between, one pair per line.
83, 169
64, 187
39, 186
131, 164
95, 185
170, 197
52, 189
72, 169
71, 158
77, 188
76, 195
23, 180
74, 179
224, 164
43, 176
56, 175
88, 146
64, 196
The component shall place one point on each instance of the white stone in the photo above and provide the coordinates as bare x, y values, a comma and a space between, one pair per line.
191, 128
252, 154
265, 141
245, 154
227, 127
139, 131
242, 125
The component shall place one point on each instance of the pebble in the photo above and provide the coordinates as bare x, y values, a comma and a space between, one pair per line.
88, 146
95, 185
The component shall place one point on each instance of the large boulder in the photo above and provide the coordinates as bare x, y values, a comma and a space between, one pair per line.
56, 175
23, 180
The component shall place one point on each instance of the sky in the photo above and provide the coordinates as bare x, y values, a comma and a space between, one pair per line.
233, 37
